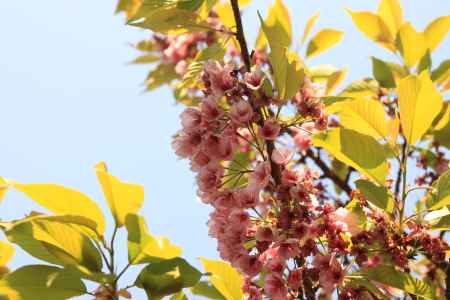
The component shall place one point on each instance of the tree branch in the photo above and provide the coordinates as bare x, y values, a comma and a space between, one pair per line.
240, 36
329, 173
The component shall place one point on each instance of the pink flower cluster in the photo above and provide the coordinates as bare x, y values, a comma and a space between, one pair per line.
278, 232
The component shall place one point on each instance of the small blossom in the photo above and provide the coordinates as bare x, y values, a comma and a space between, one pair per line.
241, 112
270, 130
281, 156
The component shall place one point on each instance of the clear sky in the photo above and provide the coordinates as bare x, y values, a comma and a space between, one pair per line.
69, 99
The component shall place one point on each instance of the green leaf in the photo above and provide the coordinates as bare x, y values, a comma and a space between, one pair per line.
357, 150
191, 5
145, 248
122, 198
146, 59
56, 242
365, 116
62, 200
162, 74
425, 63
442, 224
420, 102
37, 282
383, 73
442, 196
215, 51
288, 70
205, 289
441, 73
401, 280
179, 296
322, 41
377, 195
436, 31
358, 282
224, 278
167, 277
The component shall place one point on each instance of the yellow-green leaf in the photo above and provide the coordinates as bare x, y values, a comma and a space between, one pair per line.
63, 200
357, 150
377, 195
279, 21
224, 278
123, 198
38, 282
6, 253
442, 196
287, 67
373, 27
167, 277
401, 280
145, 248
322, 41
308, 27
130, 7
420, 102
365, 116
436, 31
383, 73
411, 44
55, 241
334, 80
391, 12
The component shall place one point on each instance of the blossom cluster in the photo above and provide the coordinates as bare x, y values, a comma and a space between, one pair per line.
279, 232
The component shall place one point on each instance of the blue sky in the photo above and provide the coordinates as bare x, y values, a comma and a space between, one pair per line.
69, 99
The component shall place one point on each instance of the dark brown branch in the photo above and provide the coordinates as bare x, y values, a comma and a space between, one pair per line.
328, 173
240, 36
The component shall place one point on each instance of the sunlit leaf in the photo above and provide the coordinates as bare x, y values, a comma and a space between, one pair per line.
391, 12
419, 103
442, 196
167, 277
6, 253
63, 200
401, 280
411, 44
143, 247
377, 195
130, 7
123, 198
179, 296
322, 41
361, 88
436, 31
425, 62
224, 278
162, 74
373, 27
383, 73
334, 80
146, 59
287, 67
308, 27
55, 241
278, 22
357, 150
38, 282
3, 188
365, 116
169, 20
